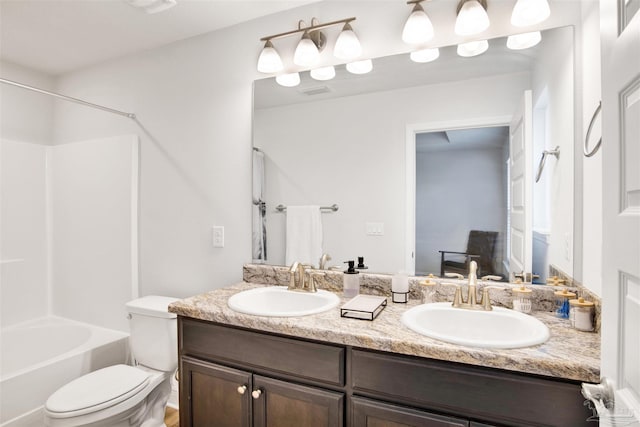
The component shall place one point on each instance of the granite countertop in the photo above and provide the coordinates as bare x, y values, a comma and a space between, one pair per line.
569, 353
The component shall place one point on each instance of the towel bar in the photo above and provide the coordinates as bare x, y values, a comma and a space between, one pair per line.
332, 208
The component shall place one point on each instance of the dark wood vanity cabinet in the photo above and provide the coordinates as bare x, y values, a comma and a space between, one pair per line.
237, 377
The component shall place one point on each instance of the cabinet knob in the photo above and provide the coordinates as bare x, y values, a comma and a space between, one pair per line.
242, 389
256, 393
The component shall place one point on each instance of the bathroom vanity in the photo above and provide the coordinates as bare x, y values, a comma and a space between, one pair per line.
324, 370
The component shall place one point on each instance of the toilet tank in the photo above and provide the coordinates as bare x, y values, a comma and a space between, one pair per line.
154, 332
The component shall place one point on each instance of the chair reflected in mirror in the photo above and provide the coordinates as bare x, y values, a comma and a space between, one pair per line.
480, 248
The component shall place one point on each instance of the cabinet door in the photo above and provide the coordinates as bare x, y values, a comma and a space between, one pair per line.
213, 395
371, 413
282, 404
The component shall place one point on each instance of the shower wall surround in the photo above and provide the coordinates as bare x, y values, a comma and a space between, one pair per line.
69, 230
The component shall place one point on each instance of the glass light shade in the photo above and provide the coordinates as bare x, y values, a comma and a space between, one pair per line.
360, 67
323, 73
529, 12
524, 41
425, 55
306, 54
473, 48
288, 80
472, 19
347, 45
418, 29
269, 61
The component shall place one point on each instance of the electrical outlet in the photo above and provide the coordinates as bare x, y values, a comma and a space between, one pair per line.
218, 236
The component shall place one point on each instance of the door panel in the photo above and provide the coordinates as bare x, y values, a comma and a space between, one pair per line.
218, 402
283, 404
620, 38
521, 153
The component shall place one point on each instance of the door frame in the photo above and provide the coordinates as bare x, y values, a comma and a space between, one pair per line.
411, 130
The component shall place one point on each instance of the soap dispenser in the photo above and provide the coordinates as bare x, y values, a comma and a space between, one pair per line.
351, 277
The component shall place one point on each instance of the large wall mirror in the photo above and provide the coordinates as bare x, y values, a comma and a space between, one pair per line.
419, 155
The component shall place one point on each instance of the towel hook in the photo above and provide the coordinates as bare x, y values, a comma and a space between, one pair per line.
588, 153
555, 152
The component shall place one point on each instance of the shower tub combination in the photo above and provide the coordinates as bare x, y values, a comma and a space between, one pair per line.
37, 357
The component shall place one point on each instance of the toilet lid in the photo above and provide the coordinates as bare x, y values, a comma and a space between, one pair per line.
98, 390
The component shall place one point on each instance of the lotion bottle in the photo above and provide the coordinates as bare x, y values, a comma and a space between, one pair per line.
351, 279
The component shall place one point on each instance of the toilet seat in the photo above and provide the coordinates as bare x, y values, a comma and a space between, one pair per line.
96, 391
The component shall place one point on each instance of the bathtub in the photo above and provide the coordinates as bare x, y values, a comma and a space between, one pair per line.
38, 357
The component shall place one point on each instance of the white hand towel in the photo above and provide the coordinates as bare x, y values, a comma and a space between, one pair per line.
303, 235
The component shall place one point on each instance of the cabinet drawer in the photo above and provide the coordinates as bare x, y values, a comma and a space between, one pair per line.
370, 413
482, 393
259, 351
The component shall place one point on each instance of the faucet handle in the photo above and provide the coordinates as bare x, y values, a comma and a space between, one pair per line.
485, 302
491, 277
312, 281
457, 296
456, 275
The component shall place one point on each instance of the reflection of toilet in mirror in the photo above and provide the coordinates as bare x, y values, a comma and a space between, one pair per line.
123, 395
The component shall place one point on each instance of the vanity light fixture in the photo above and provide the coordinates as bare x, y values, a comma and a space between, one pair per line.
347, 46
323, 73
529, 12
472, 17
473, 48
418, 29
152, 6
307, 52
313, 41
269, 60
360, 67
523, 41
425, 55
288, 80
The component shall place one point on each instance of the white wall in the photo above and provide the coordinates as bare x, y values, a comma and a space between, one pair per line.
24, 115
553, 77
94, 218
23, 230
351, 151
452, 199
588, 42
194, 98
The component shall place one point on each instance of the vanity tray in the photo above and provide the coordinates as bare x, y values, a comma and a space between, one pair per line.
363, 307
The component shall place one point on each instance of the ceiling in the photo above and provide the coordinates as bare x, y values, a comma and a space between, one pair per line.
58, 36
463, 139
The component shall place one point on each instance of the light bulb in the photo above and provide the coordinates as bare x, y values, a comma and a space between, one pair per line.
472, 48
347, 45
269, 61
418, 29
306, 54
360, 67
425, 55
323, 73
529, 12
472, 19
288, 80
524, 41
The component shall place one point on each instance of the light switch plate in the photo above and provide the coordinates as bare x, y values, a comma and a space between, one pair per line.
375, 228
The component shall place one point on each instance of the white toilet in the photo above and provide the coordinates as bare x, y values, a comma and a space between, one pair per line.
122, 395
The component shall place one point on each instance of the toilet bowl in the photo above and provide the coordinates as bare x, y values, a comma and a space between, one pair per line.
123, 395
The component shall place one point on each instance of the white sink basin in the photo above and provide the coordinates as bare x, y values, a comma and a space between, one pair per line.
499, 328
277, 301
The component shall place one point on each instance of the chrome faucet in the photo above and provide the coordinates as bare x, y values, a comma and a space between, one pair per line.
300, 279
472, 303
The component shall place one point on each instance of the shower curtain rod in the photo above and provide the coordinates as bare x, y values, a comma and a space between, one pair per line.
68, 98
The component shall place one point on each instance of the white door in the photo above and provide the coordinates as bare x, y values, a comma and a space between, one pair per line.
620, 37
521, 182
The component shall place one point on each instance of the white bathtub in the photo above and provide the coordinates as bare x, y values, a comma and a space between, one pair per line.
38, 357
